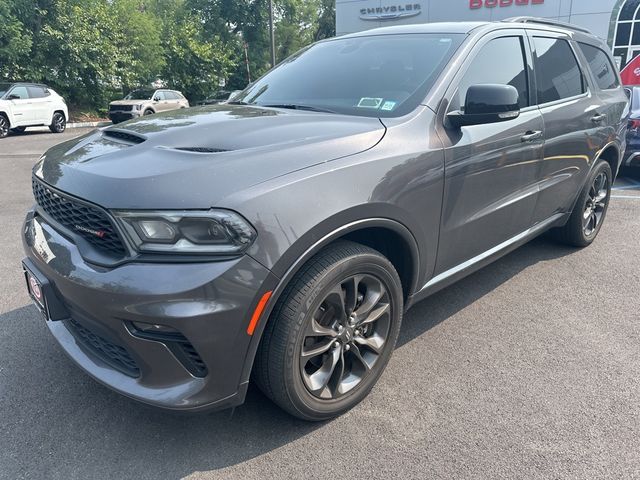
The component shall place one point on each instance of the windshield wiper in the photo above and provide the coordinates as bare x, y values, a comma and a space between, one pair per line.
294, 106
237, 102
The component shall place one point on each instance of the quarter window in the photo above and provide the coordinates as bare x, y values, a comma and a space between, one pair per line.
600, 65
500, 61
558, 74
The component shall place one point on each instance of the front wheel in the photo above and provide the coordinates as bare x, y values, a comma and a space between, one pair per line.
4, 126
590, 210
58, 123
148, 112
331, 333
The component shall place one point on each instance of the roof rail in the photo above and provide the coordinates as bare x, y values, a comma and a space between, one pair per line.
547, 21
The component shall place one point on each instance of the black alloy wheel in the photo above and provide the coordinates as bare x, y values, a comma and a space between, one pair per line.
345, 336
59, 123
331, 332
596, 204
590, 209
4, 126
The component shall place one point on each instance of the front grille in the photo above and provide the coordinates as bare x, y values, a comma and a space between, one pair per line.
89, 222
125, 136
120, 108
114, 355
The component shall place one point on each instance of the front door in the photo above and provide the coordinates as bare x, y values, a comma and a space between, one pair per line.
491, 170
21, 107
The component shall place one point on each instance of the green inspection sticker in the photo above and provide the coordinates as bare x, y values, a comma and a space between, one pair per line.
388, 106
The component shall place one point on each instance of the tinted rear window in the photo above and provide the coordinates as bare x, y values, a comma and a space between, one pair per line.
38, 92
558, 74
601, 66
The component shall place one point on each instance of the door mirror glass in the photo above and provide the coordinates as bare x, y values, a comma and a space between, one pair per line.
487, 103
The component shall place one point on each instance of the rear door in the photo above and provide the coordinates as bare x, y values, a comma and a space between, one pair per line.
490, 170
21, 107
573, 118
173, 100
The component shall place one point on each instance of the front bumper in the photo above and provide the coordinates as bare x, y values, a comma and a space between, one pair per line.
118, 116
209, 304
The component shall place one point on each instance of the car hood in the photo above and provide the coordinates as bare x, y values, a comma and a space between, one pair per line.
195, 158
128, 102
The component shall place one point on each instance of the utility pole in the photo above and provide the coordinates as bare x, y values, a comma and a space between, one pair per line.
272, 34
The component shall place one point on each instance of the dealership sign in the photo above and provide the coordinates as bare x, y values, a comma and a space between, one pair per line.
391, 12
475, 4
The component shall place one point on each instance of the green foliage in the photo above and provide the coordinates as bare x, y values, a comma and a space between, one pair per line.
93, 51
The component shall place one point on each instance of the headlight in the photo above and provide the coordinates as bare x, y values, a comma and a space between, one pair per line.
197, 232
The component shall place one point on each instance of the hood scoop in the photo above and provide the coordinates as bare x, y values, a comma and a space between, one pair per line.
123, 136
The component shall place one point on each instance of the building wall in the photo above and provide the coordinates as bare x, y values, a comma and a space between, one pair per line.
596, 15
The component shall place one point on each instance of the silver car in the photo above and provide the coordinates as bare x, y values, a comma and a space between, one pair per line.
146, 102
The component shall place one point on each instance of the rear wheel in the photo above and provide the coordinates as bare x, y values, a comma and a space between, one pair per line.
58, 123
18, 130
590, 210
4, 126
331, 333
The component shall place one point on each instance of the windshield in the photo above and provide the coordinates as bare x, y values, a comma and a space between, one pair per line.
374, 76
3, 88
140, 95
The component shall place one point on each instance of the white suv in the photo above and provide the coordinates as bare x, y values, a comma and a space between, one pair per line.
25, 105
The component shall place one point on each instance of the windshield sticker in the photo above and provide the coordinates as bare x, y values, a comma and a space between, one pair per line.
388, 106
368, 102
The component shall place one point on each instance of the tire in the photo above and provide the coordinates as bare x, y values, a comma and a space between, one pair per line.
18, 130
350, 357
580, 230
58, 123
4, 126
148, 111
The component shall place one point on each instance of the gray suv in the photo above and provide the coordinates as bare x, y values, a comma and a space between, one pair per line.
280, 238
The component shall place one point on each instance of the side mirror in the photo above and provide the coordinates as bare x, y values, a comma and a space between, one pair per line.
14, 97
487, 103
156, 99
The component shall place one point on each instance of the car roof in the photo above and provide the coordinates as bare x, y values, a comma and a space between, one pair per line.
529, 23
27, 84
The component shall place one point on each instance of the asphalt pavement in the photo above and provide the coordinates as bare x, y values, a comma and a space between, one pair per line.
527, 369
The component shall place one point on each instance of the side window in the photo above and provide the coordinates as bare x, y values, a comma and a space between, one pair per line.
558, 74
20, 92
37, 92
601, 66
500, 61
160, 96
172, 96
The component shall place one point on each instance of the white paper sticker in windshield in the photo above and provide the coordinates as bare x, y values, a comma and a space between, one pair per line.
388, 106
368, 102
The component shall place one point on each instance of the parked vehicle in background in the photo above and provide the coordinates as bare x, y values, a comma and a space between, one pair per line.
632, 154
146, 102
24, 105
221, 96
286, 232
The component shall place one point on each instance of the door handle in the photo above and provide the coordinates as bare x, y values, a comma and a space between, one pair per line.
598, 118
531, 135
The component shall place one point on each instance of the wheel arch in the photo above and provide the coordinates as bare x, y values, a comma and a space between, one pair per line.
378, 233
612, 155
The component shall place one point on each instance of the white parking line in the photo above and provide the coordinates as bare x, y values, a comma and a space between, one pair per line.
632, 197
627, 187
